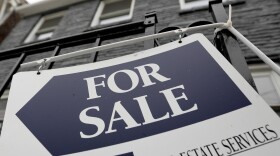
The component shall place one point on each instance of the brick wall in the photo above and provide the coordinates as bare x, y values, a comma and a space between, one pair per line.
19, 33
258, 20
7, 24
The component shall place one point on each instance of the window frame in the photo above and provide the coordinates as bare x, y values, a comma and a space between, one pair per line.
265, 70
32, 35
124, 18
5, 8
1, 125
195, 6
5, 95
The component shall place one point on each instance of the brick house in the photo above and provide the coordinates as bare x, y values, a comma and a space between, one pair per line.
57, 27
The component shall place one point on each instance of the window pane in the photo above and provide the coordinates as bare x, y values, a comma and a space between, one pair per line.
116, 6
51, 23
1, 123
186, 1
3, 103
115, 9
44, 36
267, 89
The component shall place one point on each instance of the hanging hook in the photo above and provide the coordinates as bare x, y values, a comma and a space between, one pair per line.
42, 66
180, 35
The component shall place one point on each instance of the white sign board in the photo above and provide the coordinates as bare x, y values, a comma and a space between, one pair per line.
179, 99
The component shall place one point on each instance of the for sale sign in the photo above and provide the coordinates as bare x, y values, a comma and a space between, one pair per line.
179, 99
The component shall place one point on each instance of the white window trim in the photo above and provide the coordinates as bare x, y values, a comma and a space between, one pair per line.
201, 4
265, 70
5, 95
31, 36
96, 20
5, 8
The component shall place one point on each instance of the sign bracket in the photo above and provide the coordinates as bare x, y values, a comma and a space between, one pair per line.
227, 43
227, 25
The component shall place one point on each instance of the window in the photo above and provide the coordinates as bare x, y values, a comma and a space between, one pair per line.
1, 124
45, 28
3, 104
113, 11
5, 95
268, 84
5, 7
193, 5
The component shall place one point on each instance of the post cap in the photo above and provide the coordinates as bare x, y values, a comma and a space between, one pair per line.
211, 2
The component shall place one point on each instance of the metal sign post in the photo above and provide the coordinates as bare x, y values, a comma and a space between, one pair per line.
227, 44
